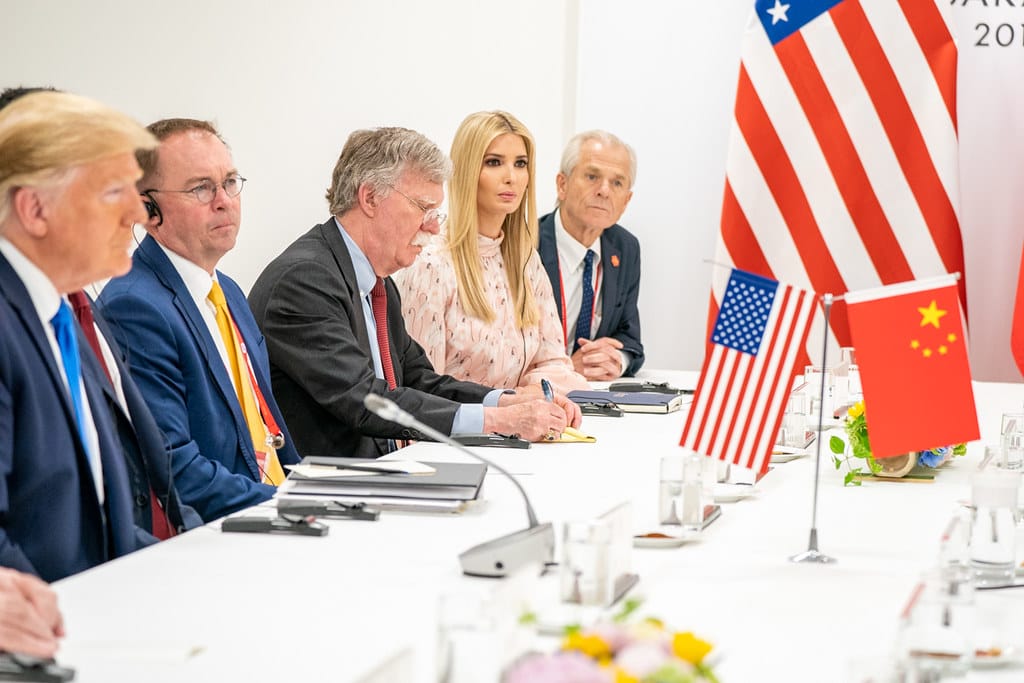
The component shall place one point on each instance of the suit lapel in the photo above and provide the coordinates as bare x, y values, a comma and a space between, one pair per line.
549, 257
339, 250
18, 297
183, 302
611, 255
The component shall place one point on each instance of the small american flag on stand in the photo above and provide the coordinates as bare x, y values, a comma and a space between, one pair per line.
748, 370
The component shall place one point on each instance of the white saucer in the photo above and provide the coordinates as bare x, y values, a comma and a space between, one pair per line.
1007, 655
660, 542
781, 454
730, 493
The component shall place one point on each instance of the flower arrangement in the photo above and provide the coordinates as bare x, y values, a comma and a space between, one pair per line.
619, 652
860, 448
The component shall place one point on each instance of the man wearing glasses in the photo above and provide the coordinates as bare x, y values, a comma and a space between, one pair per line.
333, 320
192, 344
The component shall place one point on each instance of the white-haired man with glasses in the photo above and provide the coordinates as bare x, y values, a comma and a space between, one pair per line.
193, 346
333, 322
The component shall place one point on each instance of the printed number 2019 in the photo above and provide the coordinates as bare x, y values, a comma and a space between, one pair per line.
1003, 35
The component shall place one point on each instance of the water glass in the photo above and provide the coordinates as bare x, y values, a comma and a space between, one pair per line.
681, 493
993, 539
936, 639
848, 359
814, 375
793, 431
586, 572
1012, 441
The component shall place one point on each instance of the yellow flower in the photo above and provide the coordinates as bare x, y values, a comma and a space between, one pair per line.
592, 646
856, 410
690, 648
622, 677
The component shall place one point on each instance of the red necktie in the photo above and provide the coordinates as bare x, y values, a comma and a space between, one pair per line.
162, 527
379, 302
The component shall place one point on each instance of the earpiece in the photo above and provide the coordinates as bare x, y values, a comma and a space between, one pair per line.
152, 208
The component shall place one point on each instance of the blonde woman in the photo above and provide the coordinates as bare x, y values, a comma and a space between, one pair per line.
478, 299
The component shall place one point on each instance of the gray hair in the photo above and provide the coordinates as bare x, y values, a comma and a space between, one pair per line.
571, 155
379, 157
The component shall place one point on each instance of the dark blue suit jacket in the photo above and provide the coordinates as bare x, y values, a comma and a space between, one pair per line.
620, 285
175, 363
147, 454
51, 521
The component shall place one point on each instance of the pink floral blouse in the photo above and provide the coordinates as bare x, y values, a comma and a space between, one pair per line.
494, 354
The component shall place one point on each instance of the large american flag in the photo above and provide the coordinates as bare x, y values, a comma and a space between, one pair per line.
842, 168
748, 370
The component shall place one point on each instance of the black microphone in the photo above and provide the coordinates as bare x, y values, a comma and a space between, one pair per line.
505, 554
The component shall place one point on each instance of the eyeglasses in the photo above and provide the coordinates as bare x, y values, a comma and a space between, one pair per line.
205, 191
429, 215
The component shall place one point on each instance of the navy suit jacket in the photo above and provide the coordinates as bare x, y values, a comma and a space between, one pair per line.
307, 304
51, 521
175, 363
620, 285
147, 454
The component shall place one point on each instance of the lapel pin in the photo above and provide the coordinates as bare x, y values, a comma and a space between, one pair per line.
615, 260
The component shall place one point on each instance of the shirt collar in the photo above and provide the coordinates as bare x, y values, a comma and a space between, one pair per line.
45, 297
197, 281
365, 277
569, 248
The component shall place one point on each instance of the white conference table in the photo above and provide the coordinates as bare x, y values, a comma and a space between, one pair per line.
360, 603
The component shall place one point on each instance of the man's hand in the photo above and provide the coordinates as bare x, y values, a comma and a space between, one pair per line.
598, 359
533, 420
533, 392
30, 622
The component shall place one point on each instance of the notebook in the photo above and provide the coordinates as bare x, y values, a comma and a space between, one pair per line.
632, 401
450, 481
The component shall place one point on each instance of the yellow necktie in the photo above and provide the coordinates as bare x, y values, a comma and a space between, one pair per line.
266, 456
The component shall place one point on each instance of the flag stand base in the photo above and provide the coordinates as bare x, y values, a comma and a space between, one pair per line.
812, 555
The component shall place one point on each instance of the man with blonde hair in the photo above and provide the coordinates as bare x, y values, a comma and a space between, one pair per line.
67, 207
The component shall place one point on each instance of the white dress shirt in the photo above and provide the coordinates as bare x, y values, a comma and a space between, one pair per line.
198, 283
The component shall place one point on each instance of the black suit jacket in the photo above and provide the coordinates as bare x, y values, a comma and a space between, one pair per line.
146, 451
620, 285
308, 307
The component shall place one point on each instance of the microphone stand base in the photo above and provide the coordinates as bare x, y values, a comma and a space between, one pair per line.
505, 554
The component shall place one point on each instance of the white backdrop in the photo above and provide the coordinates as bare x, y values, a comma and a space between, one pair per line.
287, 82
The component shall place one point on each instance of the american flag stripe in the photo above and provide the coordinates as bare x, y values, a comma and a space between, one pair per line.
932, 34
842, 170
739, 401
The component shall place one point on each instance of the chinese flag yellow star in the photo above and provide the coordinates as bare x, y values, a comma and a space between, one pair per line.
931, 314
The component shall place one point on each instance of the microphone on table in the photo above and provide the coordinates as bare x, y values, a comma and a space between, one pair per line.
505, 554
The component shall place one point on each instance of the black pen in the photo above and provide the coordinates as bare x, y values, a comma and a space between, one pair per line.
549, 395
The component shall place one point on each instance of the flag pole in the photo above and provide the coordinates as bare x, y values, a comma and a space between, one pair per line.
812, 554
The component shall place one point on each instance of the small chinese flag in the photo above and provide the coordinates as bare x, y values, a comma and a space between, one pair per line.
912, 353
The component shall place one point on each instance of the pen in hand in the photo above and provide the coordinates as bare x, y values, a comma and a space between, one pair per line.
549, 396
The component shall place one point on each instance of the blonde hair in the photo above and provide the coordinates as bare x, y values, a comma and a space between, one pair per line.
472, 138
45, 135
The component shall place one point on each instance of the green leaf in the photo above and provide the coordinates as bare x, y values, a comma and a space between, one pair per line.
837, 461
851, 478
629, 606
528, 618
572, 628
837, 445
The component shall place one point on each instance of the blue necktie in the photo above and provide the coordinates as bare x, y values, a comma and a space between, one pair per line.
64, 329
587, 305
